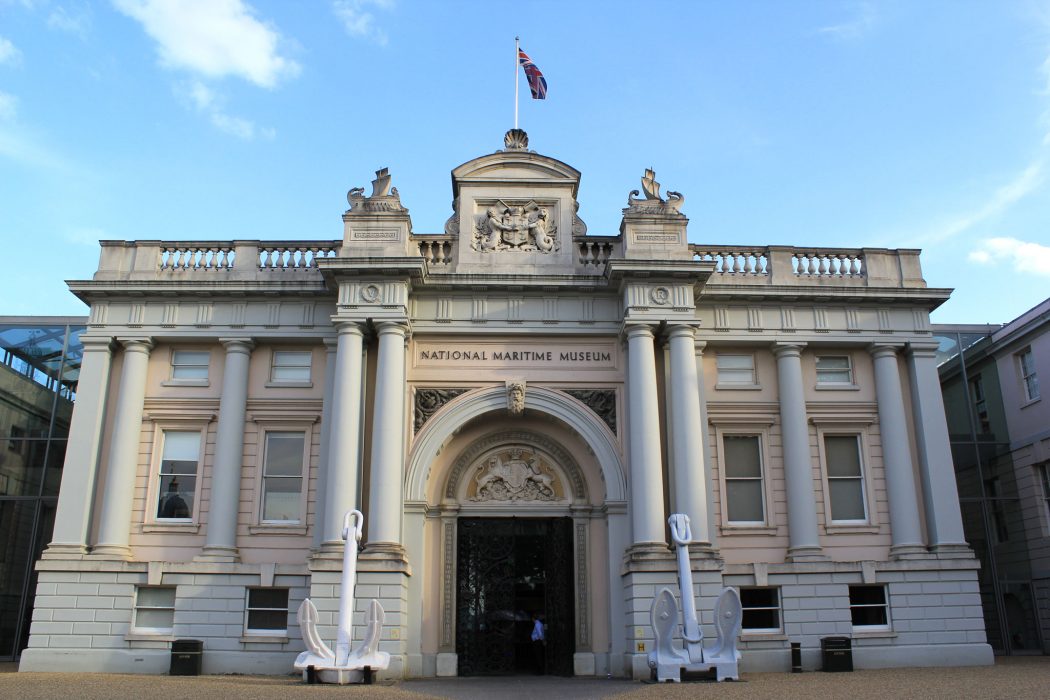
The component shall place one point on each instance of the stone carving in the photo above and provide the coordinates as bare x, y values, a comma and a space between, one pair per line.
666, 659
370, 293
516, 140
429, 401
578, 227
522, 227
384, 197
345, 665
652, 203
601, 401
516, 396
540, 443
452, 224
520, 477
660, 295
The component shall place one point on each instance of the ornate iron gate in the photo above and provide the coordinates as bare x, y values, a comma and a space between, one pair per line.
508, 568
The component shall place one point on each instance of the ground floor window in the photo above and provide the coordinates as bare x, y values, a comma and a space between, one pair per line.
868, 607
761, 609
154, 609
266, 611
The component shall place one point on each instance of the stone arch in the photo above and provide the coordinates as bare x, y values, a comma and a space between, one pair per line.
550, 402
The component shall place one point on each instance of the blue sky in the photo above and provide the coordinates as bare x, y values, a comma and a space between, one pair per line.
838, 123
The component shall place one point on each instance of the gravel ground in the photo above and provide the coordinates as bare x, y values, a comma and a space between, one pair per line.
1011, 678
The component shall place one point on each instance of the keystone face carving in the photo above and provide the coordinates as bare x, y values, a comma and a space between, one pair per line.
516, 396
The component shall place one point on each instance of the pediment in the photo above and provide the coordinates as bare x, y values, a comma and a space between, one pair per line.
515, 167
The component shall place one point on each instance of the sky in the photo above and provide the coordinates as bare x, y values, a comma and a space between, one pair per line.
841, 123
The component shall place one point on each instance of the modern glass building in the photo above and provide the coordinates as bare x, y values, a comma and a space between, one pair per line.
39, 367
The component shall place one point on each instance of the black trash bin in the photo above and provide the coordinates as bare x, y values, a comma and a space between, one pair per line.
186, 655
837, 653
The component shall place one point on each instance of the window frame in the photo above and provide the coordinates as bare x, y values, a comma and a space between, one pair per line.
859, 427
262, 632
306, 383
980, 404
1044, 481
779, 608
757, 426
888, 626
264, 425
722, 385
151, 522
851, 370
1028, 374
172, 380
303, 474
135, 628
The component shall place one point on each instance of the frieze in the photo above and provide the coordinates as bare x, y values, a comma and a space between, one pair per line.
601, 401
522, 355
429, 401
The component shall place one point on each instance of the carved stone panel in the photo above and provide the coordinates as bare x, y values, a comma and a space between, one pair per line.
429, 401
601, 401
516, 226
516, 473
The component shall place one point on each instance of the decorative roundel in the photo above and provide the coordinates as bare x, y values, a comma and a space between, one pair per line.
660, 295
370, 293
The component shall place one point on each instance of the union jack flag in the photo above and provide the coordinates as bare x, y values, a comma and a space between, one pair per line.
537, 83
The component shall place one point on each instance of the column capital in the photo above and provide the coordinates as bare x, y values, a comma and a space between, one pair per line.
787, 349
921, 349
348, 328
331, 345
878, 350
392, 327
680, 330
97, 344
137, 344
699, 346
635, 330
243, 345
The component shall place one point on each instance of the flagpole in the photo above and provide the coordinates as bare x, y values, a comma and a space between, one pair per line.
516, 49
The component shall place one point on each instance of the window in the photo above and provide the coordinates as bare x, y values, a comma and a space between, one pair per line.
266, 612
283, 476
743, 479
1026, 363
980, 406
177, 487
834, 369
154, 610
993, 492
291, 366
189, 365
736, 370
845, 478
868, 608
761, 609
1044, 472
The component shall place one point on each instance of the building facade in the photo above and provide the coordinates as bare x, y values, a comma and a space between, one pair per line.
1000, 433
516, 406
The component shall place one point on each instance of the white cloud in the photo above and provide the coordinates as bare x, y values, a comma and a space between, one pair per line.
207, 101
863, 22
1023, 256
1026, 182
8, 106
358, 19
9, 53
241, 128
213, 38
75, 22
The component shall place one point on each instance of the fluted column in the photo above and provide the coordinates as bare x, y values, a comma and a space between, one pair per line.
896, 455
643, 414
115, 523
804, 541
939, 490
690, 494
80, 470
388, 423
344, 441
221, 539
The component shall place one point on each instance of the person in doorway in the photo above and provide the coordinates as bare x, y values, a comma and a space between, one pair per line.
539, 642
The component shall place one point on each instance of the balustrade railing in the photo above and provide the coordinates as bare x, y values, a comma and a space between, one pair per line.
177, 257
828, 263
437, 251
595, 250
730, 260
295, 256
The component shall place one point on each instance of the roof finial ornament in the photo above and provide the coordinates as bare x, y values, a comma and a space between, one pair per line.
516, 140
652, 203
384, 197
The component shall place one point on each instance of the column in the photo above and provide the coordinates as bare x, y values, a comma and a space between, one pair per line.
643, 415
690, 495
940, 494
388, 423
345, 435
115, 522
896, 455
705, 440
221, 539
804, 542
80, 470
331, 346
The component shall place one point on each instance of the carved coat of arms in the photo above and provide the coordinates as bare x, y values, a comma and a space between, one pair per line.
513, 476
528, 228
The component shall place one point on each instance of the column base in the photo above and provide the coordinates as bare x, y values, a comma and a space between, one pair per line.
120, 552
384, 556
57, 550
806, 553
218, 553
952, 550
909, 551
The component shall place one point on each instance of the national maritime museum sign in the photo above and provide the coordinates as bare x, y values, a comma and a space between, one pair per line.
517, 406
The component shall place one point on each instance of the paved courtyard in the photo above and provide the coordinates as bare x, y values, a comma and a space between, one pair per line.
1010, 678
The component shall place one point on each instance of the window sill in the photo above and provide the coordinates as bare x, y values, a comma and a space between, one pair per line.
277, 529
836, 387
185, 382
147, 637
738, 387
746, 636
173, 528
866, 529
289, 385
731, 530
1031, 402
264, 638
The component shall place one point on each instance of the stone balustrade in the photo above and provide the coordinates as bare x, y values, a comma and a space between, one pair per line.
731, 260
436, 250
595, 251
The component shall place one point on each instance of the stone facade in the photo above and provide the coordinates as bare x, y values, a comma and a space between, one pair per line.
786, 399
